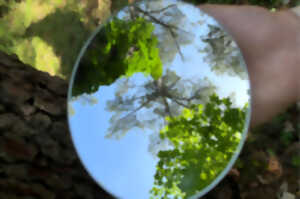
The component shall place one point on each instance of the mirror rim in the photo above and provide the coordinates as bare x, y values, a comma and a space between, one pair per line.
238, 149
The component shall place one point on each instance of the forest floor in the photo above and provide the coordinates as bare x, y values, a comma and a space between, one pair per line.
269, 165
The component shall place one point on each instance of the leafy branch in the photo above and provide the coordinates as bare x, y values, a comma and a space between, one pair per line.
169, 27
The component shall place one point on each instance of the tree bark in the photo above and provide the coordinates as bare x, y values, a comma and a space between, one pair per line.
37, 158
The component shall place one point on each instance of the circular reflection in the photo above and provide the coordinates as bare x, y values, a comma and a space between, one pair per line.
159, 102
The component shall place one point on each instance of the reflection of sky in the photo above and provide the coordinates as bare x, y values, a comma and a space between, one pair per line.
194, 67
120, 166
125, 167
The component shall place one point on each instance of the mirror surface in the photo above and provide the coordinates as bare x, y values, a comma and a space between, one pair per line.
159, 102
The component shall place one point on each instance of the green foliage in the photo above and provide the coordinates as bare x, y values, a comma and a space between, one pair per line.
122, 48
286, 137
135, 35
4, 7
55, 53
204, 139
58, 27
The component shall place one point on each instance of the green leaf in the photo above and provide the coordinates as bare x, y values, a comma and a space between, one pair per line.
122, 48
204, 138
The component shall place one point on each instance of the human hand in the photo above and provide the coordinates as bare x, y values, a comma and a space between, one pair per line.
270, 44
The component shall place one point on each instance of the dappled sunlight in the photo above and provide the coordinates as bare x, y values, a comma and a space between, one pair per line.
38, 10
23, 14
66, 42
48, 34
103, 10
14, 24
37, 52
94, 12
46, 59
25, 51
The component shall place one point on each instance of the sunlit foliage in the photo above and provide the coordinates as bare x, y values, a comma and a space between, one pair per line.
122, 48
203, 139
17, 18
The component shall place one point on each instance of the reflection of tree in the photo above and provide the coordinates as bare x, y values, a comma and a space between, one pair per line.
171, 23
129, 45
121, 48
204, 139
222, 53
166, 96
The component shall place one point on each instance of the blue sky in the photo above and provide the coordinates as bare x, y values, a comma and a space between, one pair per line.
125, 167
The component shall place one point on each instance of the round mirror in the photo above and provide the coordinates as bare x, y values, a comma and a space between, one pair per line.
159, 102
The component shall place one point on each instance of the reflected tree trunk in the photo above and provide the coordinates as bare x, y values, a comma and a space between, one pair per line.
37, 158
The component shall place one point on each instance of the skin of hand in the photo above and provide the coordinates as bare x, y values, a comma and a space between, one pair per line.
270, 44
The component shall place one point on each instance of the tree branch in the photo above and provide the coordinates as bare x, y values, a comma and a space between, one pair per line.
163, 9
167, 107
174, 83
179, 103
168, 26
173, 34
137, 109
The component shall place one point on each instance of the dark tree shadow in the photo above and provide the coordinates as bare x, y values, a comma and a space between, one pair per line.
64, 31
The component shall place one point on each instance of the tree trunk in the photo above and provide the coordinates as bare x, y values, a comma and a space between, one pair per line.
37, 158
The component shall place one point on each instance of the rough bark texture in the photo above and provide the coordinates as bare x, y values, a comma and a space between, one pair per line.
37, 158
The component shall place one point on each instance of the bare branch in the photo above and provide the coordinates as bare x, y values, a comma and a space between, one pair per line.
137, 109
168, 26
195, 96
163, 9
157, 21
167, 107
174, 83
177, 45
132, 13
179, 103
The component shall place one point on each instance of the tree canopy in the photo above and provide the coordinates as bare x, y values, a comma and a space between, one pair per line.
203, 139
122, 48
222, 53
155, 99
